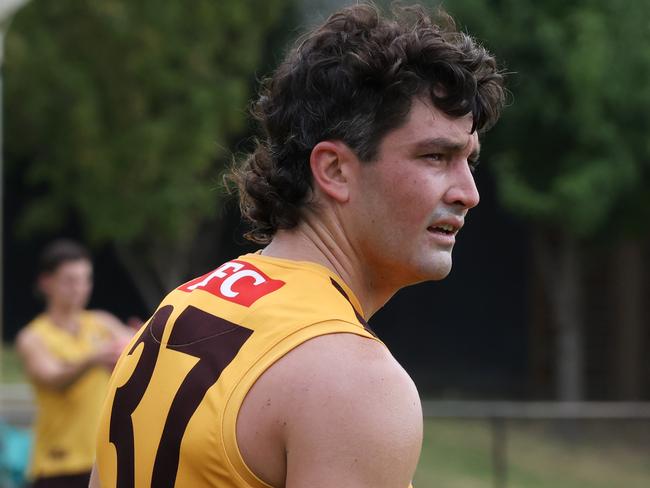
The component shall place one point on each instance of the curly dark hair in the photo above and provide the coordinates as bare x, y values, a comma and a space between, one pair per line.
353, 79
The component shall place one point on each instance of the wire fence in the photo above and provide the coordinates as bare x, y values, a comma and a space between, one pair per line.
500, 439
17, 404
569, 421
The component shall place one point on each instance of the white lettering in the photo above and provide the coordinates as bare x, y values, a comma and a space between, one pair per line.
226, 287
217, 273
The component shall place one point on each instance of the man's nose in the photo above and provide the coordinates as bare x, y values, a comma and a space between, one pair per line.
462, 189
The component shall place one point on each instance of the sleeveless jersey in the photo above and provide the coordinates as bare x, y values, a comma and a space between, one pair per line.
66, 421
171, 411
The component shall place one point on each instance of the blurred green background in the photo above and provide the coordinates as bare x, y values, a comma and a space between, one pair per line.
121, 117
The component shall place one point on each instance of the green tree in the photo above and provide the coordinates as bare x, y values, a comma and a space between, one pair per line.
572, 153
124, 112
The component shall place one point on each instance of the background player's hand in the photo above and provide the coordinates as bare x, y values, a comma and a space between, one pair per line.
120, 343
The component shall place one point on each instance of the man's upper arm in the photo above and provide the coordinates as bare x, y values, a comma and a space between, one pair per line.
355, 418
113, 325
94, 478
39, 364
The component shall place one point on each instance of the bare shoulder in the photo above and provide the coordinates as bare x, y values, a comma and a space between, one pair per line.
27, 341
352, 380
105, 317
112, 324
37, 359
340, 367
343, 400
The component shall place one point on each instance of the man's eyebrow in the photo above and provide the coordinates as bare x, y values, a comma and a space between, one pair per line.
447, 144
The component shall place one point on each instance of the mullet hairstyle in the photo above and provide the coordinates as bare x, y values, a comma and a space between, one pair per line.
353, 79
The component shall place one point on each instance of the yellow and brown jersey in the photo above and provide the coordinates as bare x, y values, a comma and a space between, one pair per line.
170, 414
66, 422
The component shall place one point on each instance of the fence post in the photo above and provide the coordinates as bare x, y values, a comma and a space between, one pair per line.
499, 452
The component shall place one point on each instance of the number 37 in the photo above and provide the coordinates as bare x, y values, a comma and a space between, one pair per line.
215, 342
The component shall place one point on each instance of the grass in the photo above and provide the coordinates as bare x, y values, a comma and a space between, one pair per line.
540, 454
11, 371
612, 454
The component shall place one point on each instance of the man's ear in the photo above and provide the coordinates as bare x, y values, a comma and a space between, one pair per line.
332, 165
44, 283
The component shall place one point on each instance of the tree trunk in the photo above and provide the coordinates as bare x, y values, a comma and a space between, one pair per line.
157, 268
540, 333
558, 262
145, 281
628, 320
169, 264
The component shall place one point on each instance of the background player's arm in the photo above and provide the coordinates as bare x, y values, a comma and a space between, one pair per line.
345, 413
94, 478
50, 371
114, 326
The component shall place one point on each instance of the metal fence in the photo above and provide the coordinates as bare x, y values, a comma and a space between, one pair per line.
17, 404
17, 408
499, 414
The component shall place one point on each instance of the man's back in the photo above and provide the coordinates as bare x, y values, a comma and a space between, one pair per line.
172, 409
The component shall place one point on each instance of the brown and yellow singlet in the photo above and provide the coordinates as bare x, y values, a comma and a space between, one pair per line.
66, 421
171, 411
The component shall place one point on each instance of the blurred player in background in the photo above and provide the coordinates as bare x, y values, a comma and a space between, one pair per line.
68, 353
264, 373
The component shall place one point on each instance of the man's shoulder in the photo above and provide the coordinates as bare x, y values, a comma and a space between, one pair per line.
353, 374
25, 337
33, 330
350, 374
342, 362
35, 339
338, 395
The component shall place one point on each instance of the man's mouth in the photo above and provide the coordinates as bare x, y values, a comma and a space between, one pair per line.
446, 229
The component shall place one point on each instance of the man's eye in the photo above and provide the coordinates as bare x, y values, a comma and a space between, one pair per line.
434, 156
473, 164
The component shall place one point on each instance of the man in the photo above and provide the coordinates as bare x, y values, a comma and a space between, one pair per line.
68, 352
264, 372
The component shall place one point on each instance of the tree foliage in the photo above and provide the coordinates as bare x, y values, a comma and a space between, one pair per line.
571, 154
572, 151
123, 113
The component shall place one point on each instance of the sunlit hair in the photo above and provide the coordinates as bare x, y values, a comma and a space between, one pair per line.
353, 79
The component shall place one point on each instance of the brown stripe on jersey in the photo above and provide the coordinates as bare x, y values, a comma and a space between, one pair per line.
195, 325
128, 396
215, 342
358, 315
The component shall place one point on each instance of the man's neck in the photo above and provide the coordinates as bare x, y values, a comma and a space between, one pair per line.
326, 245
67, 319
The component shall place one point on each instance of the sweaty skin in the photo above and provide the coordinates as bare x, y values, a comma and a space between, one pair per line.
336, 411
339, 410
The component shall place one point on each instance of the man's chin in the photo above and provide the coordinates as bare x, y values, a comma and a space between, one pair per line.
441, 275
434, 271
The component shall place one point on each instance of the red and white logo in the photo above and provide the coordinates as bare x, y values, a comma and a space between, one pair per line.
235, 281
